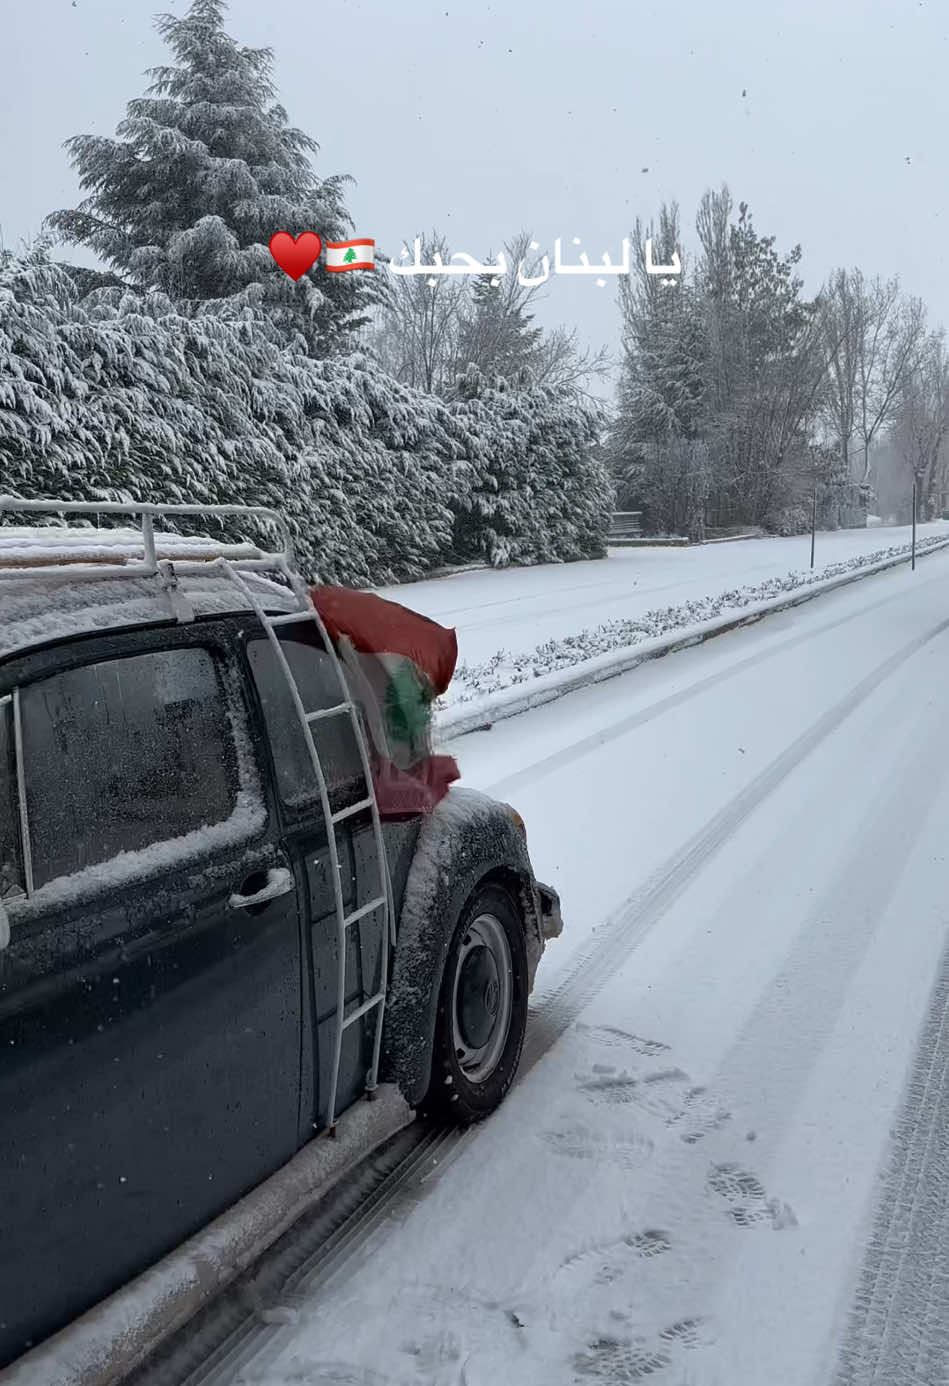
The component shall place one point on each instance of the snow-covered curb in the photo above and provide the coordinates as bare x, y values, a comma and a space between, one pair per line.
526, 689
734, 538
111, 1340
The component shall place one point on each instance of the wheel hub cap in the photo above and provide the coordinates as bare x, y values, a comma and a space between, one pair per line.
482, 998
478, 995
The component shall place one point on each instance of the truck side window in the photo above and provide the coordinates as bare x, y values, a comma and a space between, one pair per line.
315, 674
122, 755
11, 860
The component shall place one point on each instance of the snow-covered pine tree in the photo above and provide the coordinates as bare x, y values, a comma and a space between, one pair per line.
654, 446
204, 170
495, 334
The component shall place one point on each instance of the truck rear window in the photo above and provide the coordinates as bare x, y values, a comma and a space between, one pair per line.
124, 754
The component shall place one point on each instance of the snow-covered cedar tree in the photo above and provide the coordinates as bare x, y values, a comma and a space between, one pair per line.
538, 491
495, 332
204, 170
118, 396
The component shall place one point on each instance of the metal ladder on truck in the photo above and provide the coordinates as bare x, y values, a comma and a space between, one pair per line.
167, 570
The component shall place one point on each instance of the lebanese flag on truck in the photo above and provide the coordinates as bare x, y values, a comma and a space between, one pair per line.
397, 663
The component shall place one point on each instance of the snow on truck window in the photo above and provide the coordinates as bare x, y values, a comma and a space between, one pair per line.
315, 674
124, 754
11, 868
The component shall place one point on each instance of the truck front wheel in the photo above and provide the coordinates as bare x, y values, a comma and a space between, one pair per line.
482, 1009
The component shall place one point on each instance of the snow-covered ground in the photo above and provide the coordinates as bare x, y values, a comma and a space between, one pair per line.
749, 838
516, 609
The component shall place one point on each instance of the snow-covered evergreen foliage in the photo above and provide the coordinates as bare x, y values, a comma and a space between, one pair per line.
118, 395
537, 491
204, 171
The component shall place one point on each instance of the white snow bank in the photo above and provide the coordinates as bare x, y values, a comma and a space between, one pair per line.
506, 684
108, 1342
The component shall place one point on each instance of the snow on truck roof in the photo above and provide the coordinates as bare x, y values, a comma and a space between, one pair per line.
35, 610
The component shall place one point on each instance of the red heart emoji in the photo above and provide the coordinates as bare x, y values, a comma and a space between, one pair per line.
295, 256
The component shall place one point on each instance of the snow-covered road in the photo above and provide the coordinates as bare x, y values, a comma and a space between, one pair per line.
750, 841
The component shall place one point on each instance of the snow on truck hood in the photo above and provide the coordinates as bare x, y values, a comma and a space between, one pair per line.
35, 611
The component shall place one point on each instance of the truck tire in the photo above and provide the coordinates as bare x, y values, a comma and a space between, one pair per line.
482, 1009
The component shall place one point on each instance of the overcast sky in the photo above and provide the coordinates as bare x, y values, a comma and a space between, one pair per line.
829, 117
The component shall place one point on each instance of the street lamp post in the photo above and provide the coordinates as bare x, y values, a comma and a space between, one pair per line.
813, 522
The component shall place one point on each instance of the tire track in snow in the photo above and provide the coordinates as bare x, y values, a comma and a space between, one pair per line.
795, 1015
603, 954
238, 1329
568, 755
898, 1330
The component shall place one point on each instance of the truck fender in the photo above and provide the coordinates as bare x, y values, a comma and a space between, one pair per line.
467, 840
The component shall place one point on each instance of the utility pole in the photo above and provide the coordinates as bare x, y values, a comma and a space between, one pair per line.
914, 526
813, 523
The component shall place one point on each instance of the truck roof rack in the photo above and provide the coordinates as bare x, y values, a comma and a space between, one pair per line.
80, 557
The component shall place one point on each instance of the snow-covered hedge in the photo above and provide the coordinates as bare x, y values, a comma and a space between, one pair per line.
505, 670
535, 492
116, 396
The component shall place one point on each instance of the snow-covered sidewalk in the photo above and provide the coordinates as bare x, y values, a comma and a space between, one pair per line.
504, 682
519, 608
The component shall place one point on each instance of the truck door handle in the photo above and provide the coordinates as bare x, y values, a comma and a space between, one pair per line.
279, 882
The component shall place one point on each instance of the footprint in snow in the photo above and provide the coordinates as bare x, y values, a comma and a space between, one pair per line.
667, 1094
698, 1115
621, 1360
613, 1360
749, 1204
607, 1261
688, 1333
613, 1038
431, 1354
648, 1091
579, 1143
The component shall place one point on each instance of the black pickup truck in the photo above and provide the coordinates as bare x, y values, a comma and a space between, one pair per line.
170, 925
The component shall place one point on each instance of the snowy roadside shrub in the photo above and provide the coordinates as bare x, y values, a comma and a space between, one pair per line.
789, 520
